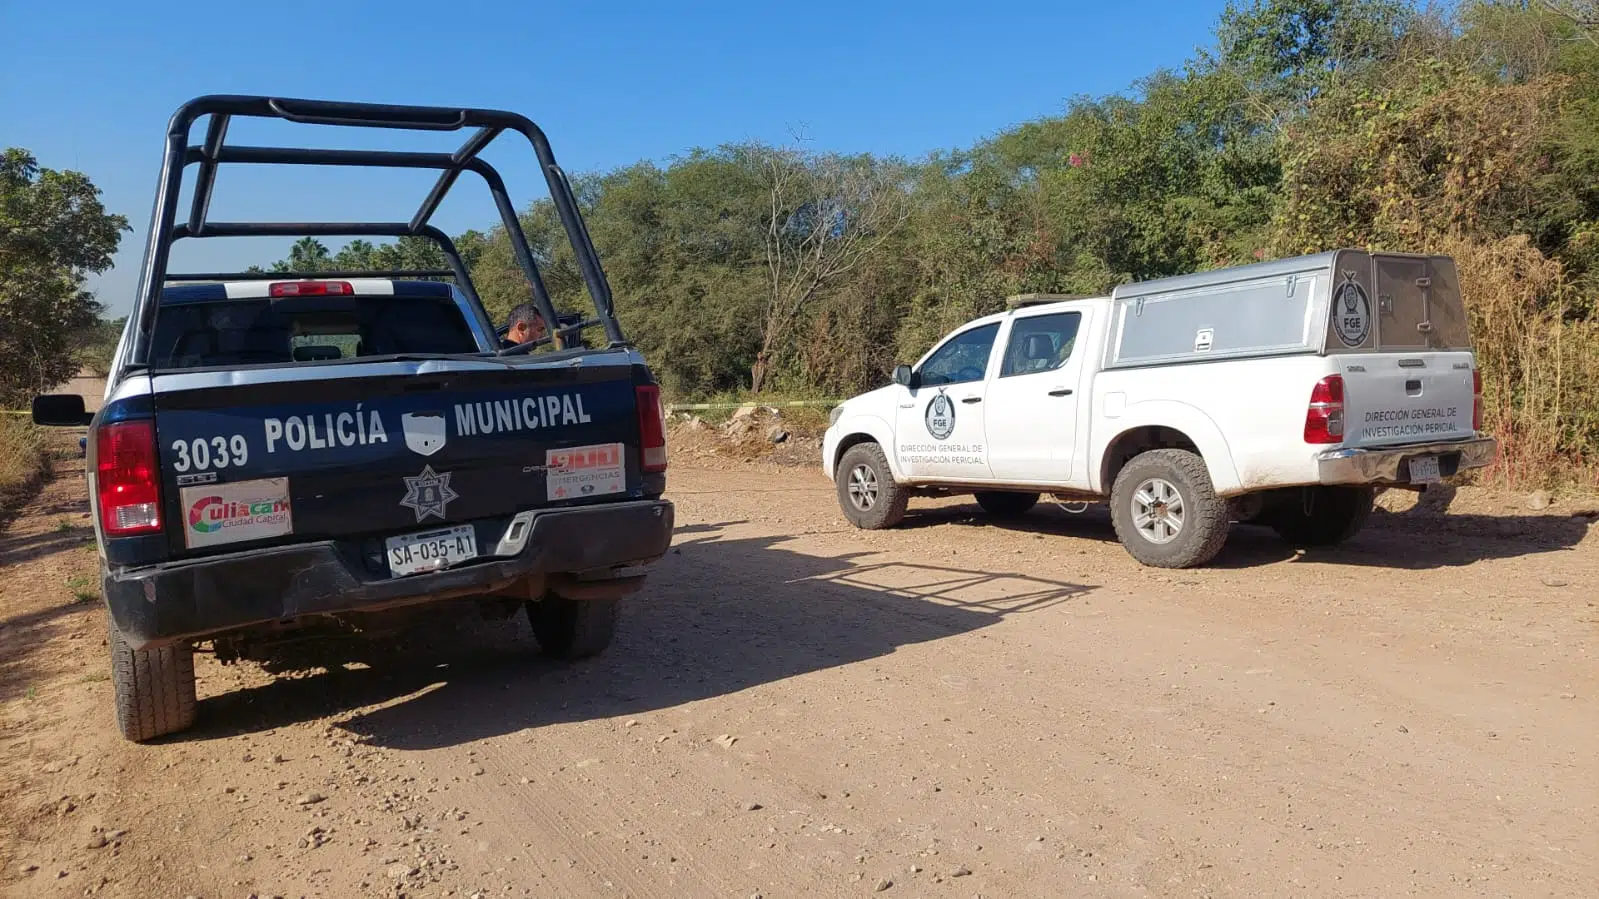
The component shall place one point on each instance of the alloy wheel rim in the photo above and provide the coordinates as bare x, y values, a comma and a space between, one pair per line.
1158, 511
863, 488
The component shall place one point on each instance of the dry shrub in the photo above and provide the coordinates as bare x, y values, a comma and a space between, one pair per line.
1405, 164
24, 459
1540, 372
1461, 161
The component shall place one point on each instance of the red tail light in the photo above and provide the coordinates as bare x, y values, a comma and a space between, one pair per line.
651, 429
1476, 399
310, 288
128, 479
1324, 419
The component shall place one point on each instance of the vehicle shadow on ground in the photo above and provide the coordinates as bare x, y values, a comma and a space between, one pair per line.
721, 614
17, 550
22, 635
1424, 537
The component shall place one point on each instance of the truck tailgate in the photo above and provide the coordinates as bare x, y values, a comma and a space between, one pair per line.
1398, 398
387, 448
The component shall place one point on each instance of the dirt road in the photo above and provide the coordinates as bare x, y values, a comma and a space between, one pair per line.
794, 708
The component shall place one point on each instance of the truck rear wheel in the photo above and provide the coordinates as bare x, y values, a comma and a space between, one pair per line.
866, 488
1166, 512
153, 688
1323, 516
573, 628
1002, 504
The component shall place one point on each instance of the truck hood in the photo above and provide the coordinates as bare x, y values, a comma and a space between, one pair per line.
869, 403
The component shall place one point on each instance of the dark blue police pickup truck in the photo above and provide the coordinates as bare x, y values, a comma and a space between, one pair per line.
305, 452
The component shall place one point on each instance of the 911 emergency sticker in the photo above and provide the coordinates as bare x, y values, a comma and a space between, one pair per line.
584, 471
214, 514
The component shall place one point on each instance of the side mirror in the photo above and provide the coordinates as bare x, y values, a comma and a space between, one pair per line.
904, 377
60, 410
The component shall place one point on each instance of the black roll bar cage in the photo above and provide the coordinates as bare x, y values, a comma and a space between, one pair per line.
165, 229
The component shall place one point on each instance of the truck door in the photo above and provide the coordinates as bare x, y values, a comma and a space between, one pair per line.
1032, 402
938, 425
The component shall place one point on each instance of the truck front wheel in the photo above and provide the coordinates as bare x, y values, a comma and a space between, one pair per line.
572, 628
867, 492
1322, 516
1166, 512
153, 688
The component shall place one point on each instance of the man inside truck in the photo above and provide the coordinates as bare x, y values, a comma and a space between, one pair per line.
524, 324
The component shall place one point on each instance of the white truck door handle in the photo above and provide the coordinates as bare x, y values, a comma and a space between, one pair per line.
1061, 391
971, 399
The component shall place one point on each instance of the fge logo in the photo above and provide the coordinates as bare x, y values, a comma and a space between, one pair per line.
940, 416
1351, 312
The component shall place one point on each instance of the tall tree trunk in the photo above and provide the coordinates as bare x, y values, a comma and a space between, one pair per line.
758, 372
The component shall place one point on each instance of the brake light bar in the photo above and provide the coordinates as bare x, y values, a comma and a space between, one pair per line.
310, 288
651, 429
1324, 417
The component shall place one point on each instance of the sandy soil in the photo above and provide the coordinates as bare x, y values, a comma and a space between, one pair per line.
794, 708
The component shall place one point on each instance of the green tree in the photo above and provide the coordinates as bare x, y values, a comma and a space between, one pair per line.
1287, 52
307, 255
405, 254
54, 232
826, 216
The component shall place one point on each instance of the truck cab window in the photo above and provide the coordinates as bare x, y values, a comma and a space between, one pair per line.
1040, 343
964, 358
199, 334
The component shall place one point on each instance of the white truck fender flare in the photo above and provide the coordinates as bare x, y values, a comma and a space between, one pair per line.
1178, 416
863, 424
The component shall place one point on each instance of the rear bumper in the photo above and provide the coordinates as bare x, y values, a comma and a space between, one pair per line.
1390, 464
586, 550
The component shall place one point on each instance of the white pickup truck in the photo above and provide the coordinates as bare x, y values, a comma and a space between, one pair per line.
1282, 393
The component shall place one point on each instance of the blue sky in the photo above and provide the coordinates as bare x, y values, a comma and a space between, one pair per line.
90, 87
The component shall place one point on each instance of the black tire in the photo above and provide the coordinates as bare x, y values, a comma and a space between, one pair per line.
867, 492
1335, 514
1002, 504
573, 628
1190, 538
154, 688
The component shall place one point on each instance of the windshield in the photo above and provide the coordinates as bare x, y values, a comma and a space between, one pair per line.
306, 329
964, 358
